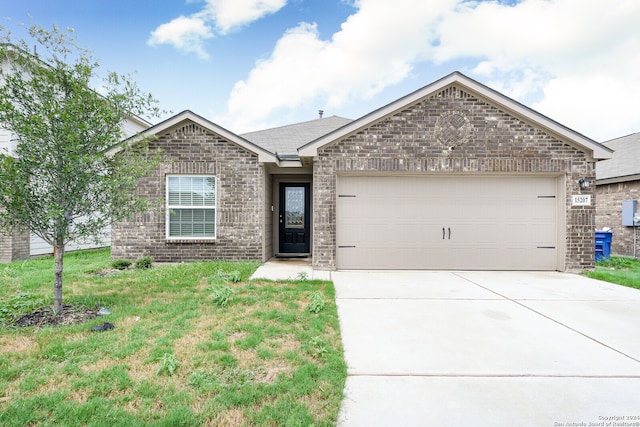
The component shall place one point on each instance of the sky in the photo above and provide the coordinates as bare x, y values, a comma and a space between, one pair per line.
254, 64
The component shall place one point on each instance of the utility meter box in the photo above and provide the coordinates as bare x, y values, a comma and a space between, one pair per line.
630, 215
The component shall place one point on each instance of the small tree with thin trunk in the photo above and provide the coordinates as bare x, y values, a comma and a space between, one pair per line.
63, 182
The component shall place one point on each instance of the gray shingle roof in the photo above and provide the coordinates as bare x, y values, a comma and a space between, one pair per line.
625, 161
285, 140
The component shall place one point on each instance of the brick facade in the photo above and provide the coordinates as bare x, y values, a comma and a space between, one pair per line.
609, 214
193, 150
413, 141
14, 246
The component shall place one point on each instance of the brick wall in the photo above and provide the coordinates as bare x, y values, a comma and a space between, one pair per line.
14, 246
192, 150
417, 140
609, 214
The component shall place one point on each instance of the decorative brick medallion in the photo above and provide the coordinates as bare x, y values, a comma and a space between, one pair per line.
452, 127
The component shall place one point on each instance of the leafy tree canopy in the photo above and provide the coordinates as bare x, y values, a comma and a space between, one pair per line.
64, 182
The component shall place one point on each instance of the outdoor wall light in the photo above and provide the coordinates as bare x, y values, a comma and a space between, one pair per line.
584, 183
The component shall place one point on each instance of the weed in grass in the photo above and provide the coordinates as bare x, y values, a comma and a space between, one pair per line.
316, 303
318, 346
222, 295
168, 364
223, 276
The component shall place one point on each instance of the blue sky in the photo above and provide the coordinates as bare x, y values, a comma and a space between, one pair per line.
254, 64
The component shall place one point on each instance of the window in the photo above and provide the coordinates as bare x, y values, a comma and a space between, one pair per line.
191, 207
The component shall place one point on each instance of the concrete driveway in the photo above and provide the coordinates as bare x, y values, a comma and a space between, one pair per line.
488, 349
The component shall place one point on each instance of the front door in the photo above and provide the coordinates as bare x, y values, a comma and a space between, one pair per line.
294, 218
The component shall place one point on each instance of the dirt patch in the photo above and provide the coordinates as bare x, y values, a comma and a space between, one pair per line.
71, 315
16, 344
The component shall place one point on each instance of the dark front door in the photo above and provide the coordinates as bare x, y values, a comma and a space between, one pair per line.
294, 218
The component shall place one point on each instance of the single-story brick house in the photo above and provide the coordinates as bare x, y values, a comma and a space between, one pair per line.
618, 179
452, 176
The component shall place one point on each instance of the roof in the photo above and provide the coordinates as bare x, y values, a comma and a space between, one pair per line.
625, 164
596, 150
285, 140
180, 118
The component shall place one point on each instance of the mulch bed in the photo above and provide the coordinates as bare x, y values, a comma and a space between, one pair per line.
45, 316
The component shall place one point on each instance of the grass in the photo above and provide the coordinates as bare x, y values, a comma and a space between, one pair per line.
177, 355
620, 270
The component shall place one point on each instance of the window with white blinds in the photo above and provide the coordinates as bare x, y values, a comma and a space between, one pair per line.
191, 207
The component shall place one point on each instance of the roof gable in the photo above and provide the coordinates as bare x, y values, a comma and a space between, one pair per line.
180, 118
504, 103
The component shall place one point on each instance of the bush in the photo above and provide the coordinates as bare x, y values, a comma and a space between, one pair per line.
121, 264
144, 263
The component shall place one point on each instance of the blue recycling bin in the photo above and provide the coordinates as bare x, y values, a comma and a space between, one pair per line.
603, 244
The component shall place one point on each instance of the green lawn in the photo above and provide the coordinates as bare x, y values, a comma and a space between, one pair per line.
190, 347
621, 270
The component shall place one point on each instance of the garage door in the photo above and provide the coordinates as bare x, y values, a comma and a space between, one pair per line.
447, 222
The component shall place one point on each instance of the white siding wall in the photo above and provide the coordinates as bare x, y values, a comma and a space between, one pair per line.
40, 247
6, 145
131, 127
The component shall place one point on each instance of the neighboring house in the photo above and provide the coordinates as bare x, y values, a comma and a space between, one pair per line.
618, 179
452, 176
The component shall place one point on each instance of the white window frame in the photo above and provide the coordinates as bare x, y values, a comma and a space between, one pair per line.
169, 208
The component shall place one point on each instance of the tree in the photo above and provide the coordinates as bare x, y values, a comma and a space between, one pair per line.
64, 181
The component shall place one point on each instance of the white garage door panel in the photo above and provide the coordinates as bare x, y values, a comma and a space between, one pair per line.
489, 222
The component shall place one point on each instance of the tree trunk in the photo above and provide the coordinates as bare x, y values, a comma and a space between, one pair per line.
57, 280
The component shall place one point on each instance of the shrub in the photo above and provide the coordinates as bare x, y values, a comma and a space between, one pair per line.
121, 264
144, 263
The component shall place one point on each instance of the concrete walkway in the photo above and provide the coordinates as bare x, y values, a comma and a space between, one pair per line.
289, 269
488, 349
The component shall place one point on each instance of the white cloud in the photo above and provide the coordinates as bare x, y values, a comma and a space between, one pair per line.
376, 47
573, 60
187, 34
231, 14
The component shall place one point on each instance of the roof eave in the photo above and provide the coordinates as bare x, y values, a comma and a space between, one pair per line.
617, 179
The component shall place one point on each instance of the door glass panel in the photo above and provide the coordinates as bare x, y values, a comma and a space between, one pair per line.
294, 207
